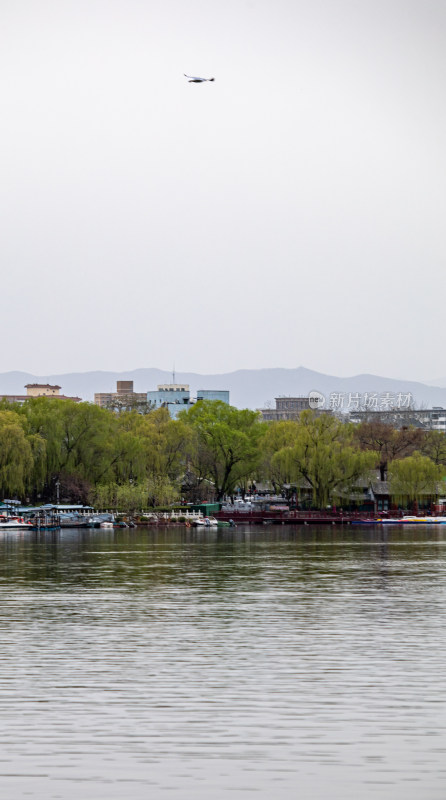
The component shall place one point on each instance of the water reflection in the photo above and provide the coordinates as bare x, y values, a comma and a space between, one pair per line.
281, 661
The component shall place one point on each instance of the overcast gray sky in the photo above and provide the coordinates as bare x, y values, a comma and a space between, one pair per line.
290, 213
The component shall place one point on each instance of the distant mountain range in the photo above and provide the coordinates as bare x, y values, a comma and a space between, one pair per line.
249, 388
438, 382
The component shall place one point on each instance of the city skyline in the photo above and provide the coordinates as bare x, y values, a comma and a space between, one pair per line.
248, 388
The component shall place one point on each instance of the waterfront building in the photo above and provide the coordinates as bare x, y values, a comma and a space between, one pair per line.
124, 396
38, 390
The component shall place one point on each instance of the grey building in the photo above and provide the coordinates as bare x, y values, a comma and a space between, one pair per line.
429, 419
288, 408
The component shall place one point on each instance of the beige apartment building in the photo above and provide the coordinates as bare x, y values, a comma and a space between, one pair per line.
124, 392
42, 390
38, 390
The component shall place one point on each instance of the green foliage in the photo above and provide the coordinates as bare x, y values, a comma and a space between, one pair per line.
131, 497
127, 497
164, 443
322, 452
79, 436
226, 443
412, 477
134, 461
46, 438
278, 435
161, 491
16, 454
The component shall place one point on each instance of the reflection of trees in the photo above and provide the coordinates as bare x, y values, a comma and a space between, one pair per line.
154, 560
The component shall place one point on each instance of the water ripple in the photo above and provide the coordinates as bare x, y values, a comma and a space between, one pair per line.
280, 662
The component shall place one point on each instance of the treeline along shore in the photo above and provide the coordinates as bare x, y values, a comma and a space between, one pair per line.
133, 461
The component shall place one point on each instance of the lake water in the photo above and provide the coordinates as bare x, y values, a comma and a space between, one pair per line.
276, 662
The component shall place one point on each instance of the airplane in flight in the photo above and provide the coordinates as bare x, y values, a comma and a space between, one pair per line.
191, 79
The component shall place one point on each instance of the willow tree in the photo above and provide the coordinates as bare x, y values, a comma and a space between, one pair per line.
16, 457
132, 497
414, 478
161, 491
165, 443
278, 435
43, 419
120, 454
86, 433
227, 443
325, 455
80, 438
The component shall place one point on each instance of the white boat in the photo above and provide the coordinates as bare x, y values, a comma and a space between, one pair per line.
413, 521
14, 522
106, 525
205, 522
96, 521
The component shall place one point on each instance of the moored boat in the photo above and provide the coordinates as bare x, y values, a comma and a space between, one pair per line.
14, 522
96, 520
205, 522
211, 522
412, 521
